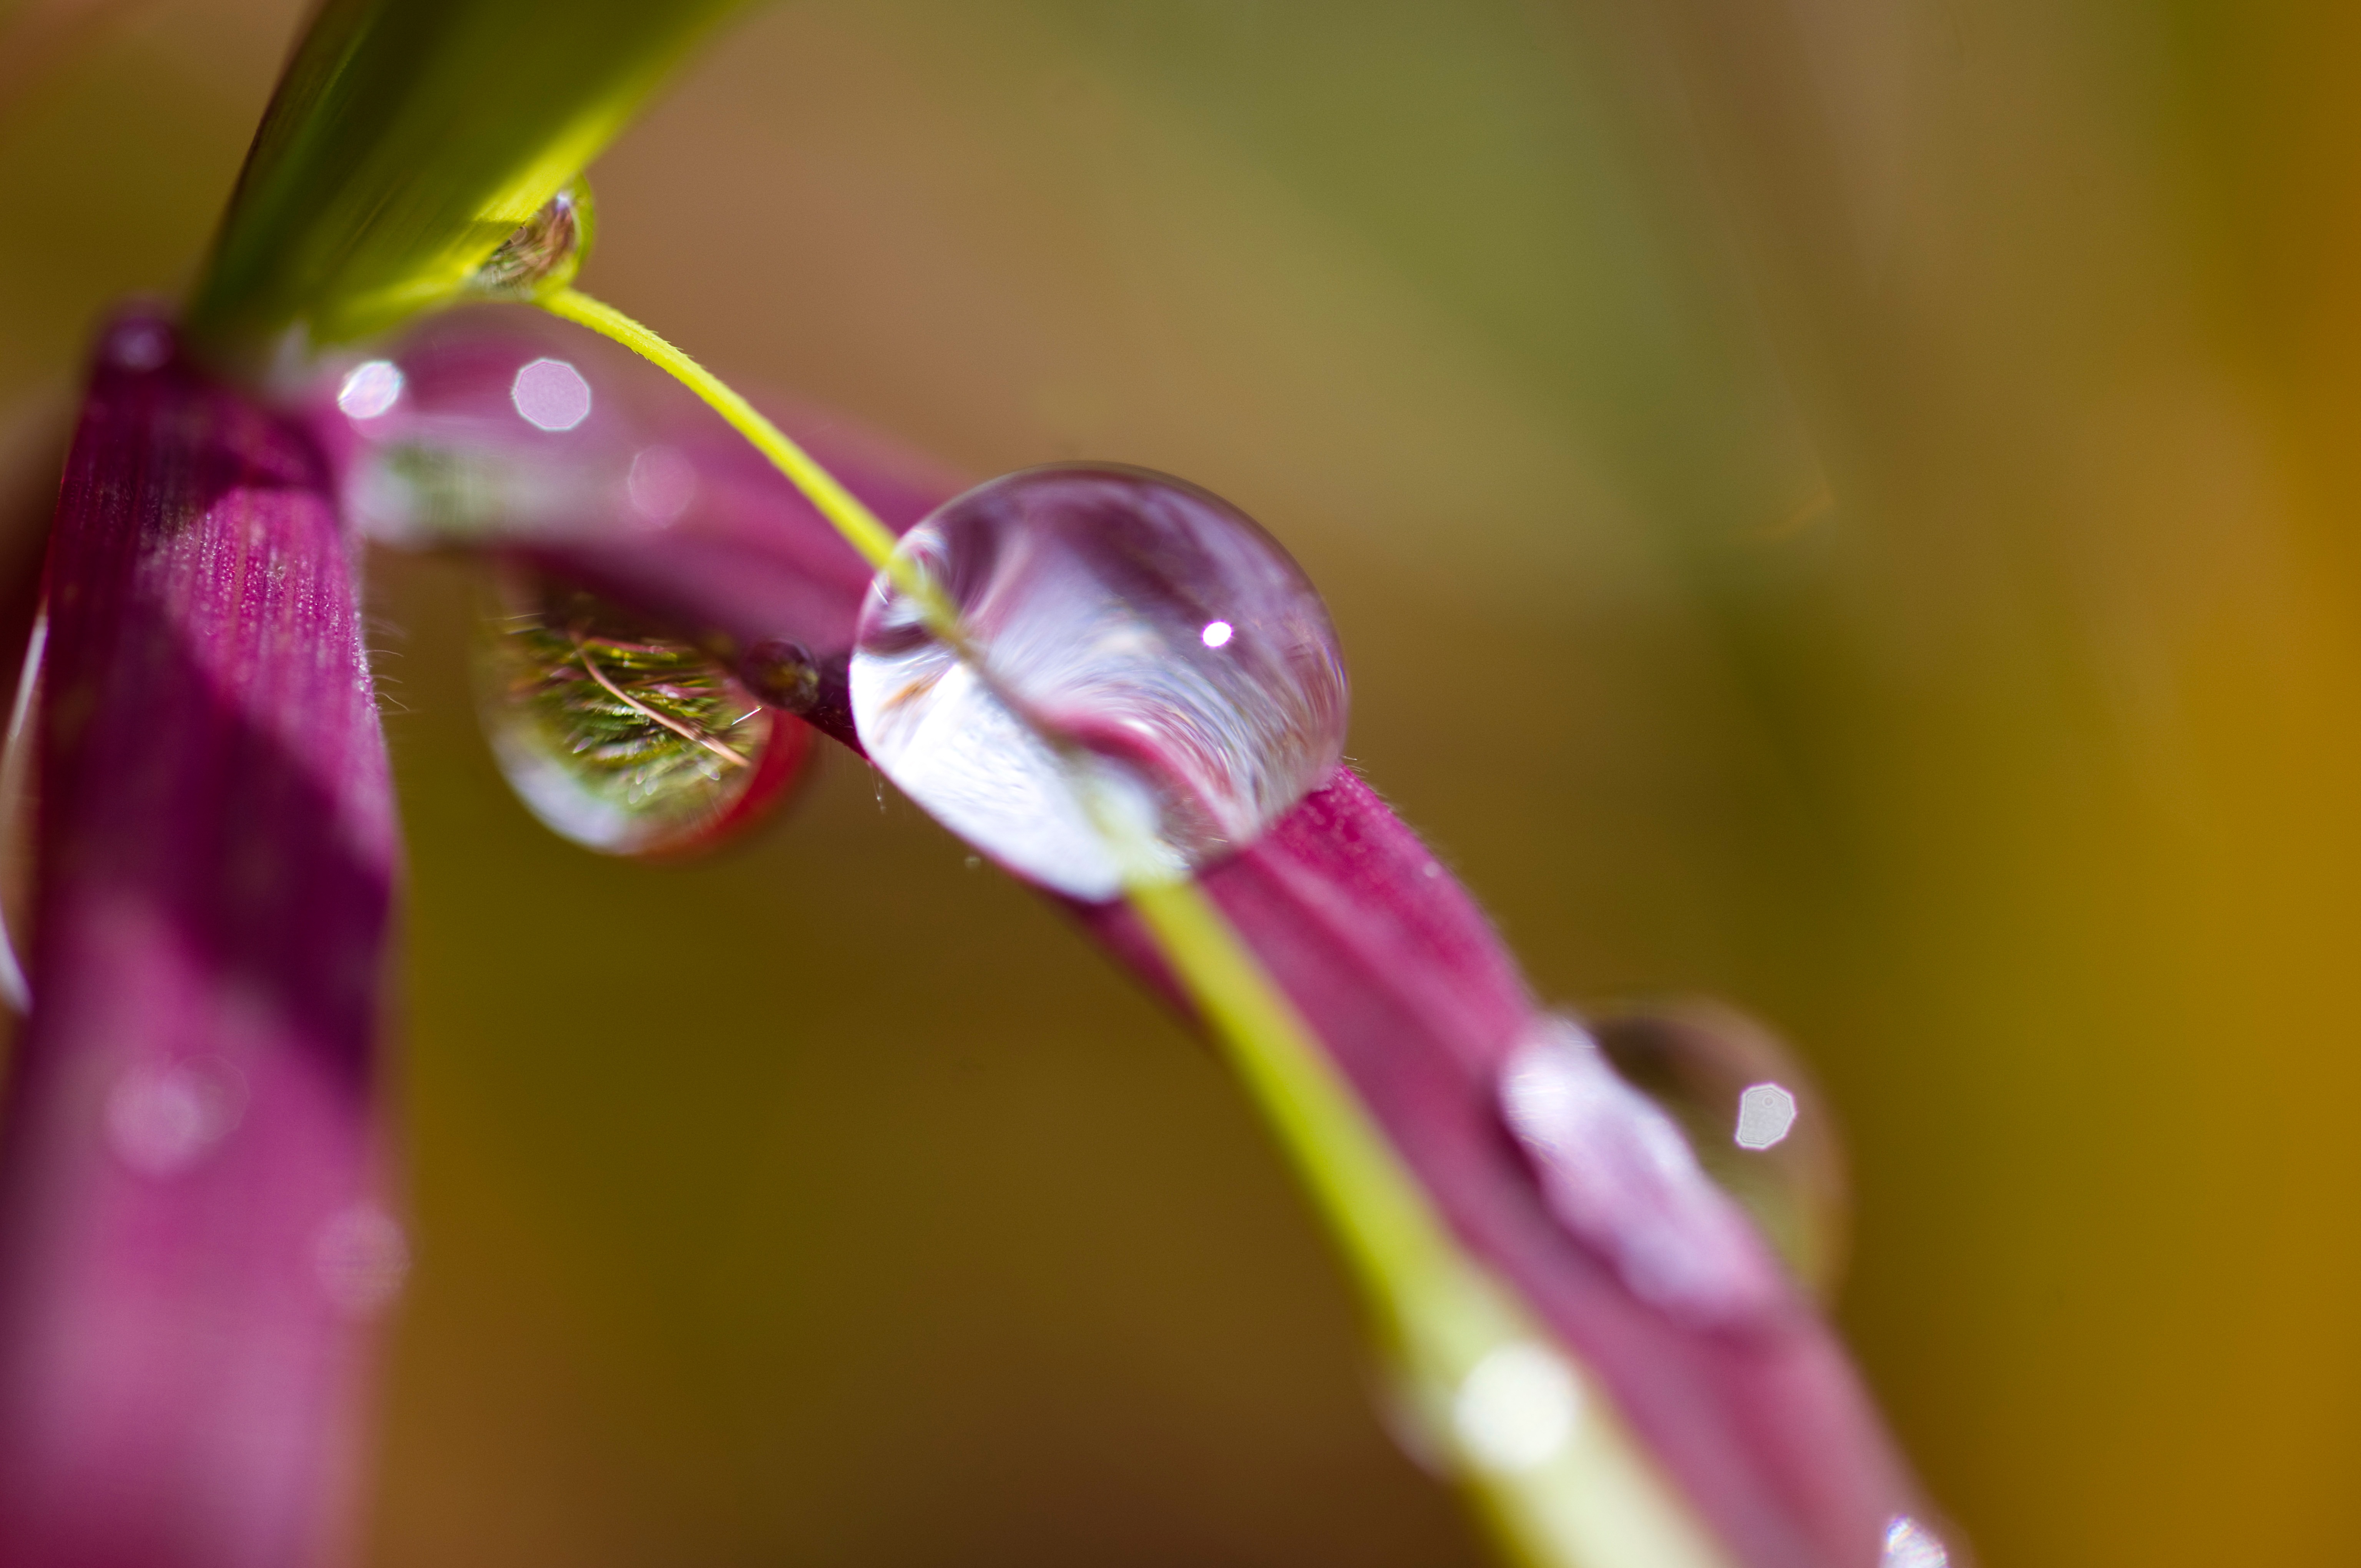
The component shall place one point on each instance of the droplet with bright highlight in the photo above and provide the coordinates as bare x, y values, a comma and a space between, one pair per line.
1099, 728
619, 738
545, 252
370, 389
550, 394
1615, 1171
1909, 1544
1752, 1117
1516, 1408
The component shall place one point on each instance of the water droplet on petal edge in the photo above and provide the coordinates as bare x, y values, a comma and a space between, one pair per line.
1619, 1174
620, 739
1754, 1117
1090, 592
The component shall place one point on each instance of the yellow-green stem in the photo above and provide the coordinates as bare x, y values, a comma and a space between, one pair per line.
842, 509
1595, 1501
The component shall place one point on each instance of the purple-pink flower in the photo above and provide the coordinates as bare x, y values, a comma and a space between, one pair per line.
193, 1233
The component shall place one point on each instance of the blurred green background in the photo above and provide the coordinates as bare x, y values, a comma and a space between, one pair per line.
1842, 505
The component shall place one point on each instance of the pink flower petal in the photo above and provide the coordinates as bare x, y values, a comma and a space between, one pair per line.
192, 1243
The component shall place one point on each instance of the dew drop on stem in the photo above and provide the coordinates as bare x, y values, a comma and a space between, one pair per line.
620, 737
1752, 1116
1134, 646
546, 250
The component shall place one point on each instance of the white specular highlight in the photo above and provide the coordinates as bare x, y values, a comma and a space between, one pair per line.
1766, 1113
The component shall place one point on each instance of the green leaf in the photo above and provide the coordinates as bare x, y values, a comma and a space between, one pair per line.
408, 139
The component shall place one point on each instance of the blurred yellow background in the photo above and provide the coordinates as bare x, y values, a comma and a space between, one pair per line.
1842, 505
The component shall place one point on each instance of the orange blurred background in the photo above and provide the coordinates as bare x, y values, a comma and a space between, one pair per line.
1841, 505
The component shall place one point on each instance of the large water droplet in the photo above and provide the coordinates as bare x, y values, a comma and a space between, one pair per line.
1755, 1118
1137, 649
545, 252
618, 738
1617, 1173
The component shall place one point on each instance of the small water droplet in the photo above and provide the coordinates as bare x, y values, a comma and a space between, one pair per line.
361, 1257
1909, 1544
782, 674
1089, 593
370, 389
617, 738
546, 250
1617, 1173
551, 395
1754, 1117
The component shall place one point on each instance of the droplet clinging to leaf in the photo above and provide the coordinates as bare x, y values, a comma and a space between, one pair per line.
1130, 638
1753, 1116
618, 737
546, 250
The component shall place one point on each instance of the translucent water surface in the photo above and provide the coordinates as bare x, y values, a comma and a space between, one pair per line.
1148, 680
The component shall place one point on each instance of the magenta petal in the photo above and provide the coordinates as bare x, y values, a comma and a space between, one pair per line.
190, 1243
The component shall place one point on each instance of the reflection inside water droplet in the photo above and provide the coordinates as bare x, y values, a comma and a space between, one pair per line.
660, 484
617, 737
1092, 596
1751, 1113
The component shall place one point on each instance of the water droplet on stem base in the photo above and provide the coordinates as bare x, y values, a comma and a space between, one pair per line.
546, 250
1136, 649
1753, 1116
618, 737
